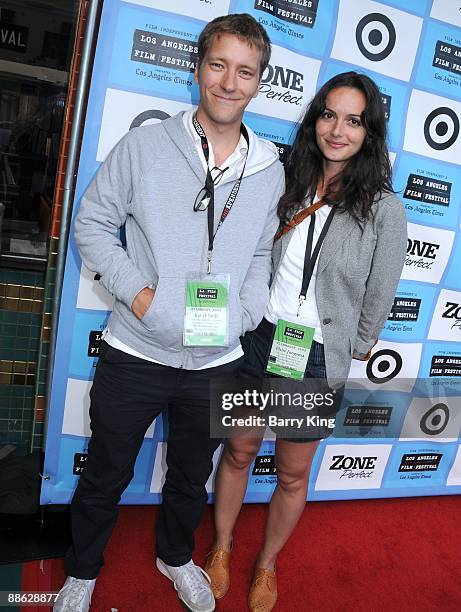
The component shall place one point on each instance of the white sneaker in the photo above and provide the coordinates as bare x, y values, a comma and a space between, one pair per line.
192, 584
75, 595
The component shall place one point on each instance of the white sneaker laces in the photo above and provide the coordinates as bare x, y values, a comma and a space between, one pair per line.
192, 578
78, 590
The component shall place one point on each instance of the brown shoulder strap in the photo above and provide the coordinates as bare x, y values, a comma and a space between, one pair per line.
300, 216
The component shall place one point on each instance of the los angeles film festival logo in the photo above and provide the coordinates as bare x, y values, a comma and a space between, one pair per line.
94, 343
419, 462
367, 416
264, 465
447, 57
427, 190
445, 365
162, 50
404, 313
299, 12
405, 309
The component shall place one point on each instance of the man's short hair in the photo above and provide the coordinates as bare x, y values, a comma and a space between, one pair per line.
242, 25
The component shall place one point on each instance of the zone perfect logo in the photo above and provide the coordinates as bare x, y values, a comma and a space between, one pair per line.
377, 37
446, 322
287, 84
433, 418
352, 467
428, 251
433, 127
124, 110
205, 10
299, 12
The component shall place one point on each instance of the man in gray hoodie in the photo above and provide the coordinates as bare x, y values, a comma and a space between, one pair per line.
197, 194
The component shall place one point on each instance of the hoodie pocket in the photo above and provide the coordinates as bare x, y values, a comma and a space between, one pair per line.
164, 317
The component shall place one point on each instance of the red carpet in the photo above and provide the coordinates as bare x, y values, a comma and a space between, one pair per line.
353, 556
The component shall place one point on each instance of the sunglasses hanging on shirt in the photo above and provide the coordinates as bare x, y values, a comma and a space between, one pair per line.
205, 197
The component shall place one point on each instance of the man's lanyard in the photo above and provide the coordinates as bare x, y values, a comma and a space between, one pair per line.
310, 257
210, 185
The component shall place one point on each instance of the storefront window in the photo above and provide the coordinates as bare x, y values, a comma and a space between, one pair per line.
36, 41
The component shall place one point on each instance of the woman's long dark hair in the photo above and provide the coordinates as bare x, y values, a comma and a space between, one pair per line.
365, 177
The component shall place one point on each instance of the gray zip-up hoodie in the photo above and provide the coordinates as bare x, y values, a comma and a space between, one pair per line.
149, 183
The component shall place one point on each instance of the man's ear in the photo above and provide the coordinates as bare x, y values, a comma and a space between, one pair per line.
196, 73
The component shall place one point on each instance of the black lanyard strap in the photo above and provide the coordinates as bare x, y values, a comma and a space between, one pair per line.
210, 186
310, 257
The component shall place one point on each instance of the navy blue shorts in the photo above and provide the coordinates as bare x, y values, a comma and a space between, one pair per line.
318, 421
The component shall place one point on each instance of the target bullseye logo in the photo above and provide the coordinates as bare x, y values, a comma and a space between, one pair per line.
383, 366
376, 37
441, 128
147, 115
434, 421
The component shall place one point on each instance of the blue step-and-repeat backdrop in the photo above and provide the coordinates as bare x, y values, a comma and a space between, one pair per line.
408, 442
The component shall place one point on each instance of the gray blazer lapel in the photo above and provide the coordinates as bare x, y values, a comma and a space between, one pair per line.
337, 233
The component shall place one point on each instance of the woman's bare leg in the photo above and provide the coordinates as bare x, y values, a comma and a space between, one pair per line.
230, 485
293, 460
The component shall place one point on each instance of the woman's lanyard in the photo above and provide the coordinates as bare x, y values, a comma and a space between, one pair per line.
310, 257
210, 185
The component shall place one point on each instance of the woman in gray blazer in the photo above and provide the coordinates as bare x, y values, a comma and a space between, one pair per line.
337, 260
